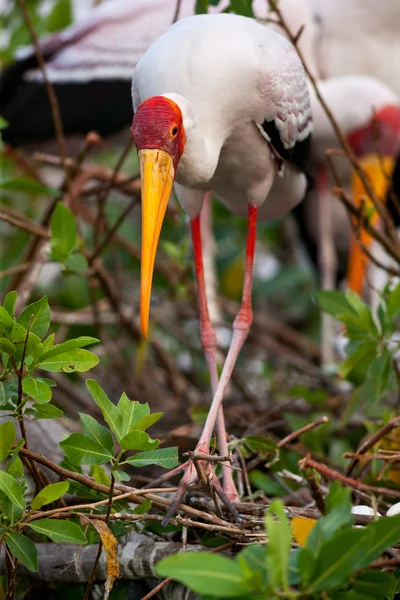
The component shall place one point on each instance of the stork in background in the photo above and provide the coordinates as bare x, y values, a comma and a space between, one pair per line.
221, 103
360, 38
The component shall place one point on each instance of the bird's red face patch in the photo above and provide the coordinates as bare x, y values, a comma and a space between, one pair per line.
158, 124
381, 134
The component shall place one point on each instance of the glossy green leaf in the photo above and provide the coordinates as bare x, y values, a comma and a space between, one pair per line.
111, 414
138, 440
36, 389
97, 432
199, 569
82, 450
164, 457
337, 558
79, 342
40, 311
100, 475
46, 411
381, 534
7, 438
49, 494
131, 413
68, 362
6, 321
23, 549
9, 302
10, 486
59, 531
338, 515
146, 422
7, 347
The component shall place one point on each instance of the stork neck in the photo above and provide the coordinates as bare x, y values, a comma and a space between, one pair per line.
201, 152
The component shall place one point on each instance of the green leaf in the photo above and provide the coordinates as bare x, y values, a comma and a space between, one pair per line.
242, 7
110, 412
49, 494
360, 358
381, 534
76, 262
82, 450
63, 232
97, 432
59, 531
23, 549
7, 347
146, 422
6, 321
10, 486
24, 184
279, 544
8, 389
68, 362
393, 302
130, 413
337, 558
375, 584
7, 438
334, 303
138, 440
60, 16
260, 444
46, 411
36, 389
338, 514
164, 457
9, 302
198, 570
100, 475
41, 317
69, 345
121, 476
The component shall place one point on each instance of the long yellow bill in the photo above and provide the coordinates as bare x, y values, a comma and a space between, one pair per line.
379, 171
157, 176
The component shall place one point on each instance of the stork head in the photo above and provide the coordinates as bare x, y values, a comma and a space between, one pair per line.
159, 136
376, 145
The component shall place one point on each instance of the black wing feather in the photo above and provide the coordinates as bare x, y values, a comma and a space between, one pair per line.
298, 155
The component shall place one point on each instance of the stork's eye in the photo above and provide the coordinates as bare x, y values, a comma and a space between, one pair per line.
174, 131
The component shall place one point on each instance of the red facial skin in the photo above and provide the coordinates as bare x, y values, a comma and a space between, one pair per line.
158, 124
381, 135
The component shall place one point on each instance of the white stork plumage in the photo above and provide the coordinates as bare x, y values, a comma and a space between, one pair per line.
359, 37
221, 103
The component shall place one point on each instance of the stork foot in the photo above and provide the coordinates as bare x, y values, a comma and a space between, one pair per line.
200, 471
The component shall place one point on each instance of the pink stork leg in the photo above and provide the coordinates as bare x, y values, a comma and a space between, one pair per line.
241, 328
209, 345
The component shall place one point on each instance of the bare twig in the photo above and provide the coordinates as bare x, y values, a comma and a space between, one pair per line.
393, 424
55, 109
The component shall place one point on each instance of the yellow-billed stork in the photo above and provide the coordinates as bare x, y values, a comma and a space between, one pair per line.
221, 103
368, 113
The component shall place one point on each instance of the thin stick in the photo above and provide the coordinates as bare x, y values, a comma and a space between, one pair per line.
55, 109
295, 434
393, 424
